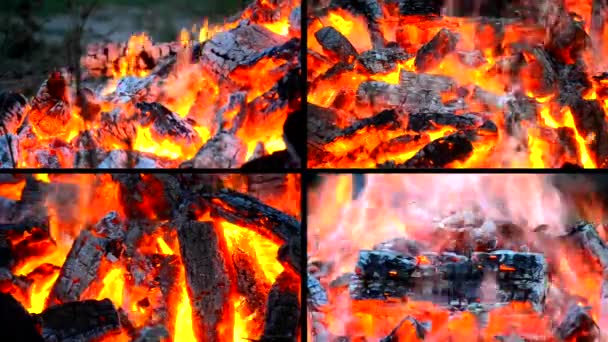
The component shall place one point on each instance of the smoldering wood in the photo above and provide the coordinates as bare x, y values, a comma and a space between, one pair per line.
284, 51
432, 53
321, 125
246, 211
372, 11
164, 188
420, 7
590, 121
283, 308
50, 111
79, 321
103, 59
382, 60
419, 122
406, 142
82, 266
16, 323
164, 124
578, 322
587, 236
566, 37
542, 70
227, 50
316, 295
441, 152
251, 286
450, 279
207, 278
267, 186
12, 111
275, 161
336, 44
519, 111
420, 329
223, 150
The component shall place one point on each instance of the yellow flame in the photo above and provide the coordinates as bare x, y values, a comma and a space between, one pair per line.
40, 291
183, 319
164, 248
113, 286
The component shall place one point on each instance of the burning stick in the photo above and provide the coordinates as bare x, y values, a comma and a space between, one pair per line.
209, 285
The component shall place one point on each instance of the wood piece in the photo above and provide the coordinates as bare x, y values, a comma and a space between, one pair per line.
283, 309
204, 250
83, 263
50, 110
587, 236
420, 7
79, 321
400, 144
164, 124
335, 44
250, 284
441, 152
316, 295
539, 75
577, 323
151, 194
15, 322
432, 53
223, 150
383, 60
275, 161
567, 37
419, 122
227, 50
12, 111
321, 125
246, 211
290, 255
590, 121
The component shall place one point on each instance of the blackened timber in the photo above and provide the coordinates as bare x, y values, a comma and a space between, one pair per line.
588, 237
382, 60
283, 309
15, 322
409, 326
335, 43
419, 122
249, 212
433, 52
420, 7
165, 124
79, 321
290, 254
12, 111
203, 251
83, 264
578, 322
400, 144
590, 121
441, 152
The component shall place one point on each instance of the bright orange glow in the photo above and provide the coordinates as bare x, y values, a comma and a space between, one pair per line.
164, 248
12, 191
113, 286
183, 319
40, 291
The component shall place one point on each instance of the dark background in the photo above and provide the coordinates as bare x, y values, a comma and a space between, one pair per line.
34, 33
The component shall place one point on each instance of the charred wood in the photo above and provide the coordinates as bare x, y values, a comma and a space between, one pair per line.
203, 251
441, 152
283, 309
577, 323
290, 255
382, 60
223, 150
15, 322
432, 53
420, 7
50, 110
419, 122
79, 321
408, 328
248, 212
166, 124
336, 44
12, 111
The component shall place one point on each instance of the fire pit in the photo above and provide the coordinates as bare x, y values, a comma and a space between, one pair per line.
449, 257
216, 98
128, 257
440, 84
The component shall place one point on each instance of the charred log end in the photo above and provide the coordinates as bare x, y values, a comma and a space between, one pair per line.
283, 308
336, 44
443, 151
433, 52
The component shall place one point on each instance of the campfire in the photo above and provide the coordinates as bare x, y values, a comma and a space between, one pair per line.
150, 257
456, 258
442, 84
217, 97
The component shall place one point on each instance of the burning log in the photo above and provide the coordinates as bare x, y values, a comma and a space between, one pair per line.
78, 321
439, 153
420, 7
383, 60
246, 211
431, 54
203, 249
578, 323
83, 264
589, 120
165, 124
249, 285
50, 111
228, 50
224, 150
283, 309
419, 122
335, 44
12, 107
450, 278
